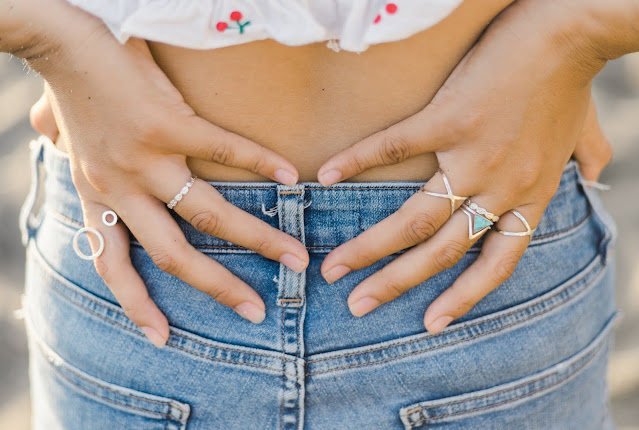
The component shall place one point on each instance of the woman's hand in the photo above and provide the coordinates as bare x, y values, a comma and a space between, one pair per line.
503, 126
128, 132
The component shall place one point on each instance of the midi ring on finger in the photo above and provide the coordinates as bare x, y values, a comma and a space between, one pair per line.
529, 231
76, 247
114, 218
182, 193
479, 219
449, 193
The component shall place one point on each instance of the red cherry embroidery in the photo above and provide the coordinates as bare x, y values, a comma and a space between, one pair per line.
390, 8
236, 16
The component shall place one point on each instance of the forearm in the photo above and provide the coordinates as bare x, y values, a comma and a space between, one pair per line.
44, 32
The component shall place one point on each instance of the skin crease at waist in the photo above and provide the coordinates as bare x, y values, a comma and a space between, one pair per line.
308, 103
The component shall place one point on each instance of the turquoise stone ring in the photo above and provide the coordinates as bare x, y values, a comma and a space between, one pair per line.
479, 219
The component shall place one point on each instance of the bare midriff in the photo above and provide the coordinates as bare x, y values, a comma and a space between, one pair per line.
307, 103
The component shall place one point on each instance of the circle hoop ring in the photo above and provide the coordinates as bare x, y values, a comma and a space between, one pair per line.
111, 223
76, 248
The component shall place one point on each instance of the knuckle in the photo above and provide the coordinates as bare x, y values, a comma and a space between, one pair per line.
365, 257
102, 268
464, 305
448, 255
258, 163
393, 149
165, 261
207, 221
219, 293
419, 228
506, 266
221, 153
356, 163
394, 289
97, 180
262, 246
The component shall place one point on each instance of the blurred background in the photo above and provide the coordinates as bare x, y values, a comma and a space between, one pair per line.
616, 93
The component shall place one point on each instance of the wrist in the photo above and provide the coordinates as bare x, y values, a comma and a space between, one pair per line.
38, 31
608, 29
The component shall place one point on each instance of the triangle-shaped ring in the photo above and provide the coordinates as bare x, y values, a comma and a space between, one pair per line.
479, 219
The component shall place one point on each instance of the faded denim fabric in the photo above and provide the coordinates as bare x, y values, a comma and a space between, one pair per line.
530, 355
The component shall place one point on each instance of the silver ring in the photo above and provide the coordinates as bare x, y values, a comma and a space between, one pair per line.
76, 248
182, 193
449, 193
479, 219
105, 214
529, 231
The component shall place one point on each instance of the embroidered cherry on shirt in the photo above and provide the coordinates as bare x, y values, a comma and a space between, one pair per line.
390, 8
235, 16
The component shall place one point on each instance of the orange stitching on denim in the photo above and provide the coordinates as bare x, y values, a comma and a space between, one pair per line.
283, 373
291, 192
184, 336
444, 333
70, 370
290, 300
564, 379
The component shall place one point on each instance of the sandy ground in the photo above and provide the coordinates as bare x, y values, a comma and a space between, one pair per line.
617, 96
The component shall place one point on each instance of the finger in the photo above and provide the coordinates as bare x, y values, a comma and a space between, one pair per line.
161, 237
196, 137
42, 119
496, 263
115, 268
417, 134
415, 221
439, 253
593, 151
209, 212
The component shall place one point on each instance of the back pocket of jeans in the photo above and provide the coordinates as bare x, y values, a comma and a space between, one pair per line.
65, 397
496, 406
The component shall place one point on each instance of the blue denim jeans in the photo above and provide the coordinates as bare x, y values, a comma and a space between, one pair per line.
530, 355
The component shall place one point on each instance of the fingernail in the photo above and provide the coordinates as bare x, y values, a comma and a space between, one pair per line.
293, 263
330, 177
251, 312
154, 336
439, 324
335, 273
285, 177
363, 306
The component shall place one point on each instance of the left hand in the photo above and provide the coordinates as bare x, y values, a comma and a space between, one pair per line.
502, 126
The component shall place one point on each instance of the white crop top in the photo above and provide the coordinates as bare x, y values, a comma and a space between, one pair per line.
351, 25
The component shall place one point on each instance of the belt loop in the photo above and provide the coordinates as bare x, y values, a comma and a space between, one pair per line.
26, 220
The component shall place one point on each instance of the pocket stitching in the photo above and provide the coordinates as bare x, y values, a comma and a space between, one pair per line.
64, 366
596, 271
591, 352
43, 266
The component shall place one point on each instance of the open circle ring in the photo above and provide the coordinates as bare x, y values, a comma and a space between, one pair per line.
529, 231
76, 248
105, 215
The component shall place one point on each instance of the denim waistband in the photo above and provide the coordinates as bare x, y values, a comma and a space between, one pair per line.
331, 215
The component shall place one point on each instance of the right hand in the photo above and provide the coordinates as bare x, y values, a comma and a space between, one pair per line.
128, 133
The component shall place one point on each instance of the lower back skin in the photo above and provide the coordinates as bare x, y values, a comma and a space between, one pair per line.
308, 102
